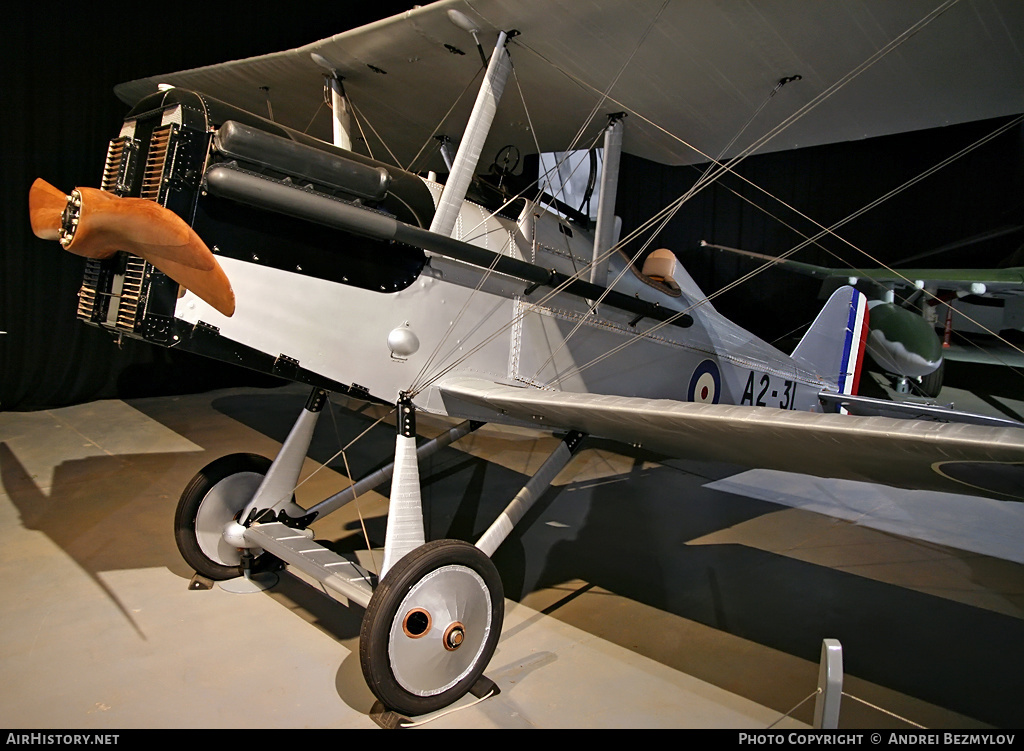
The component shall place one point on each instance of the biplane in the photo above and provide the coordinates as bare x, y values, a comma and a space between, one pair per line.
349, 215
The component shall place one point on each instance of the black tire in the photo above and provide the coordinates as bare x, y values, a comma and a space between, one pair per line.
383, 641
218, 492
931, 384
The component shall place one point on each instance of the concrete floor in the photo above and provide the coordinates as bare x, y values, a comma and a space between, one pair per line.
638, 596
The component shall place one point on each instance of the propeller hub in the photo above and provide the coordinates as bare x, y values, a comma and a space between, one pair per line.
69, 218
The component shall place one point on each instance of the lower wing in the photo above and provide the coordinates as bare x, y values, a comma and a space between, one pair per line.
958, 458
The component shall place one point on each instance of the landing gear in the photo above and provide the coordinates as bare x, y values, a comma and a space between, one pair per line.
433, 620
931, 384
214, 497
431, 626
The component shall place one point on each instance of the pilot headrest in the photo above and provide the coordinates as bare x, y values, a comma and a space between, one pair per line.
660, 265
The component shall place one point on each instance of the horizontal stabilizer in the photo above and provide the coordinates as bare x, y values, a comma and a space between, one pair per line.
870, 407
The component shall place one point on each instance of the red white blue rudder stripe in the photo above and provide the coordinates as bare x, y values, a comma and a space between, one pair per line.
854, 345
833, 346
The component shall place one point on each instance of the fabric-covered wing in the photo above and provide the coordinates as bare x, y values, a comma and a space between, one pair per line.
695, 69
948, 457
996, 281
1002, 281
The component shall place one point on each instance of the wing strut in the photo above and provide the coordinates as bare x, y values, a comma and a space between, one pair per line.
464, 167
605, 230
525, 498
341, 117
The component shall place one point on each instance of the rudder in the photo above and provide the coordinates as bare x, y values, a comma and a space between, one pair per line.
833, 346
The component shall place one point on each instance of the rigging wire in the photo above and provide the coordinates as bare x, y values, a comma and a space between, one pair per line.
858, 272
359, 513
665, 214
362, 134
443, 119
663, 223
323, 101
824, 231
830, 231
417, 387
357, 111
721, 167
575, 141
413, 388
352, 481
622, 68
340, 451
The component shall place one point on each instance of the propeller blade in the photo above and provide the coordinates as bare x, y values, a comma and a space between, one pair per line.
45, 206
96, 224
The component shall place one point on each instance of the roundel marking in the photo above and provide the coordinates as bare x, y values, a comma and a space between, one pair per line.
995, 478
705, 383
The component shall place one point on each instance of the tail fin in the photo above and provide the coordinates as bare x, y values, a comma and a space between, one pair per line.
834, 344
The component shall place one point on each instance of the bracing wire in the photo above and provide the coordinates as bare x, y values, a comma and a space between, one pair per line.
824, 231
413, 389
418, 385
444, 119
831, 230
586, 124
712, 175
719, 168
340, 451
661, 226
357, 112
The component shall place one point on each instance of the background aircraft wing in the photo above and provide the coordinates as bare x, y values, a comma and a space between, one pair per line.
996, 281
957, 458
699, 70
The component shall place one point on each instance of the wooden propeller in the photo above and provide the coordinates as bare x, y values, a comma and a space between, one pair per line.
96, 224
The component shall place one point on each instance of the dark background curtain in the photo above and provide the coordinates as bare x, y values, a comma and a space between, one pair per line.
61, 62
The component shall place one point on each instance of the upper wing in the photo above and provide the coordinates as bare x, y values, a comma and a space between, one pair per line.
956, 458
696, 69
995, 281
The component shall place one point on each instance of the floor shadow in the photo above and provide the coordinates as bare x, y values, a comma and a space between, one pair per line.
90, 516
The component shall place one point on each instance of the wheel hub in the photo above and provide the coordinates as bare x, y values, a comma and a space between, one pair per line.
447, 618
454, 635
219, 509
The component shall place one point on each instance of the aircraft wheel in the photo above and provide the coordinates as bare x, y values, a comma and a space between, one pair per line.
431, 627
215, 496
931, 384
